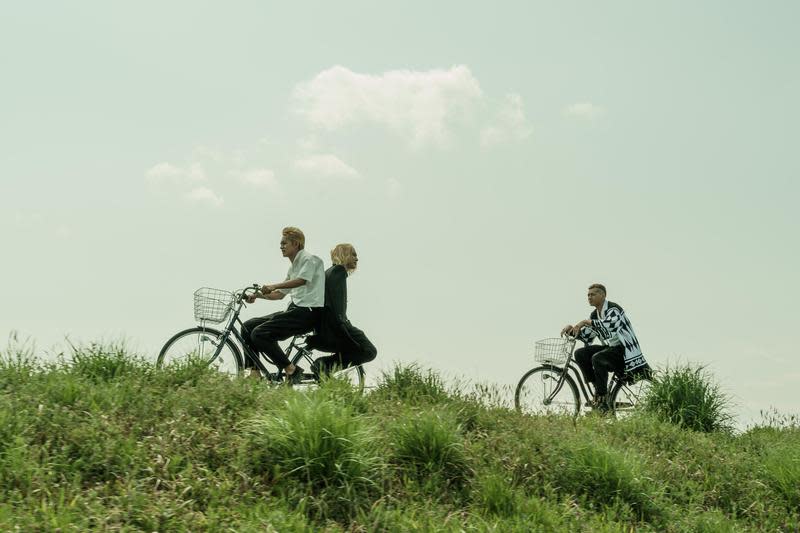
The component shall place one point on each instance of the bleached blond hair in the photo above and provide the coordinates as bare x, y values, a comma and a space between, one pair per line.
342, 254
295, 235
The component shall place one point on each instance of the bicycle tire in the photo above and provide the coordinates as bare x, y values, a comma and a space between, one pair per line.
355, 375
203, 347
537, 384
625, 398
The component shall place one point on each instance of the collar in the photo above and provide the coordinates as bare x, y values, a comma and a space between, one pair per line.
299, 253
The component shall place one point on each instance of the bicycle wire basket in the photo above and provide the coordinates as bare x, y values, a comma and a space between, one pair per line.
212, 305
554, 351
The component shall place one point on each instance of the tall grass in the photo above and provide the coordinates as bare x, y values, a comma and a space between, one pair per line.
688, 396
103, 442
430, 444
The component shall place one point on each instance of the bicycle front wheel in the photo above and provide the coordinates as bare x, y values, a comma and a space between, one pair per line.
199, 345
626, 398
540, 392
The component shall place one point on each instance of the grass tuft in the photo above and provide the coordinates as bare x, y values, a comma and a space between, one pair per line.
322, 445
431, 444
688, 397
412, 384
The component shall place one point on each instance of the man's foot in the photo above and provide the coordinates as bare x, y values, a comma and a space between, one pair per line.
600, 403
295, 377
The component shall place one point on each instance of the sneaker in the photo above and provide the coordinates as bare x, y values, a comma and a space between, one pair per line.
295, 377
600, 403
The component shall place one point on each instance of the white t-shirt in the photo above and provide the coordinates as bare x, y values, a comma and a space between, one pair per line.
308, 267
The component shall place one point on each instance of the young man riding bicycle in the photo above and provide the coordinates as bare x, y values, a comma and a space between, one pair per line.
305, 285
620, 352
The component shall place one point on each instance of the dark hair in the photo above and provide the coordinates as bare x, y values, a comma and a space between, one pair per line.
598, 286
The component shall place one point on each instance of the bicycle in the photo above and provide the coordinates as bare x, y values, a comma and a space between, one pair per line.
217, 348
552, 387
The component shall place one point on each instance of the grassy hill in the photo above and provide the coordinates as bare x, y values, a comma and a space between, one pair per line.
106, 442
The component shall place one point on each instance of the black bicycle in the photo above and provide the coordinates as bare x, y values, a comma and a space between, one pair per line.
217, 347
557, 385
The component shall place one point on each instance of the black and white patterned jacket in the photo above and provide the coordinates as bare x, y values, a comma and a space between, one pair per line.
615, 329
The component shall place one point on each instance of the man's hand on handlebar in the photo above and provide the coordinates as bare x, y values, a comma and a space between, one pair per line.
266, 289
579, 326
252, 297
567, 330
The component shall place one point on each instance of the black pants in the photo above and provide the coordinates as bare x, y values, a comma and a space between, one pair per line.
364, 354
263, 333
597, 361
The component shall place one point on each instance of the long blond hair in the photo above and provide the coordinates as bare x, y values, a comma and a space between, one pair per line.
342, 254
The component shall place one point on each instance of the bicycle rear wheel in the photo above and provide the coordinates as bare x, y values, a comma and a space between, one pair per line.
199, 345
538, 393
354, 375
626, 398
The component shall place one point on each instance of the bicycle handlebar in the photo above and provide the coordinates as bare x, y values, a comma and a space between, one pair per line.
241, 294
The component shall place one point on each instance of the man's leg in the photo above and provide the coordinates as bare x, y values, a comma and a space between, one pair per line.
281, 326
610, 359
247, 330
583, 356
366, 350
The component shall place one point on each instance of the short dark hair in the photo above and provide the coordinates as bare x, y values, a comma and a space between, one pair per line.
598, 286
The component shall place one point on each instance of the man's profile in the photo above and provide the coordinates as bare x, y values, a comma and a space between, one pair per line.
305, 285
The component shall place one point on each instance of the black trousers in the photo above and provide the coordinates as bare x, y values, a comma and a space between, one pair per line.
596, 361
263, 333
364, 354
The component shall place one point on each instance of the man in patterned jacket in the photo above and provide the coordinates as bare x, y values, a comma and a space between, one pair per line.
620, 351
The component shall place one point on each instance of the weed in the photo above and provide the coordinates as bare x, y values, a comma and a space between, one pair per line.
688, 397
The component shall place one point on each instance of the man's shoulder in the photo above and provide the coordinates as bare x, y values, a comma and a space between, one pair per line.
304, 256
612, 305
335, 270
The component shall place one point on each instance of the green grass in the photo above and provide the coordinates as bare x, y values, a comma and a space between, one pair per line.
687, 396
101, 441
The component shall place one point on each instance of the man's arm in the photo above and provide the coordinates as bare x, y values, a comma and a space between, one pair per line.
289, 284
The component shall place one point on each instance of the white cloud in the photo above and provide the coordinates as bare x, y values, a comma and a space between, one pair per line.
27, 219
510, 124
326, 165
163, 173
258, 177
420, 105
394, 188
63, 231
584, 110
204, 195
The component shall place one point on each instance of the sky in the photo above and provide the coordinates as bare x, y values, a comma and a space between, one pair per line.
489, 162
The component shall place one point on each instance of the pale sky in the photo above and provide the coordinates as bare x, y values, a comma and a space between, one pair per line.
488, 163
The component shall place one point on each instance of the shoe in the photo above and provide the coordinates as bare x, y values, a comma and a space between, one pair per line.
295, 377
600, 403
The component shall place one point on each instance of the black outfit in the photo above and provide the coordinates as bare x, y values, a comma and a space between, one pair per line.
262, 334
624, 358
335, 333
596, 362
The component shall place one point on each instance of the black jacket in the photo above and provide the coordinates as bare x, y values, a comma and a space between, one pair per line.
331, 333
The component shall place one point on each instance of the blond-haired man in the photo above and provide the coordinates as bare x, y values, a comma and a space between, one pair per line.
336, 334
305, 285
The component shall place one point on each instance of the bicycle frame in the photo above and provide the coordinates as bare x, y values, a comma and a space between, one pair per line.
570, 366
230, 329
